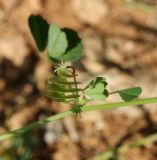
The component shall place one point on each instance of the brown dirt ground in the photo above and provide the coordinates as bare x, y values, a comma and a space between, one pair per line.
120, 41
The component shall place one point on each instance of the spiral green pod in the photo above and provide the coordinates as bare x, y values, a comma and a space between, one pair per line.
62, 86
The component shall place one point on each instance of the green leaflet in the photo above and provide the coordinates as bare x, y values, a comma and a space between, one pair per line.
74, 53
96, 89
39, 29
75, 46
64, 44
130, 93
96, 81
96, 92
57, 42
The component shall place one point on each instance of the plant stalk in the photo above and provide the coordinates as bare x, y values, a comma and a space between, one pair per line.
124, 148
58, 116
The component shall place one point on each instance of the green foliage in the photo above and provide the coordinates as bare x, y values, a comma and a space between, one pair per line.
63, 44
28, 145
75, 46
63, 87
76, 109
39, 29
96, 89
130, 93
96, 81
57, 42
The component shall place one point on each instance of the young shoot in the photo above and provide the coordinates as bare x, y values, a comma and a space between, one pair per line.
63, 86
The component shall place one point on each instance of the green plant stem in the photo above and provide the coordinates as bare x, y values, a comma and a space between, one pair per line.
142, 142
124, 148
120, 104
36, 124
113, 92
69, 112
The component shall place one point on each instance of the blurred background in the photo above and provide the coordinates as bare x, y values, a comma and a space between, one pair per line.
120, 43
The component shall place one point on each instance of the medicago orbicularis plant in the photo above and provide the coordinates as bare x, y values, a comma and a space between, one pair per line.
60, 46
65, 45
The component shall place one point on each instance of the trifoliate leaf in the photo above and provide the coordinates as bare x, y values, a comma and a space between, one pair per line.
130, 93
97, 80
96, 89
57, 42
75, 46
39, 29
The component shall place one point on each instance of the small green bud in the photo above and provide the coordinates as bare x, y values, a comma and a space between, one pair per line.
61, 71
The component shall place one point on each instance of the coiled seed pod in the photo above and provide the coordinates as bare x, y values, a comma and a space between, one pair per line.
63, 86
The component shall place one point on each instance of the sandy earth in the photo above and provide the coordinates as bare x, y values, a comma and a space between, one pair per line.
120, 43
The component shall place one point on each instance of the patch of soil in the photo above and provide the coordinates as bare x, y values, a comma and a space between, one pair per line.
120, 39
